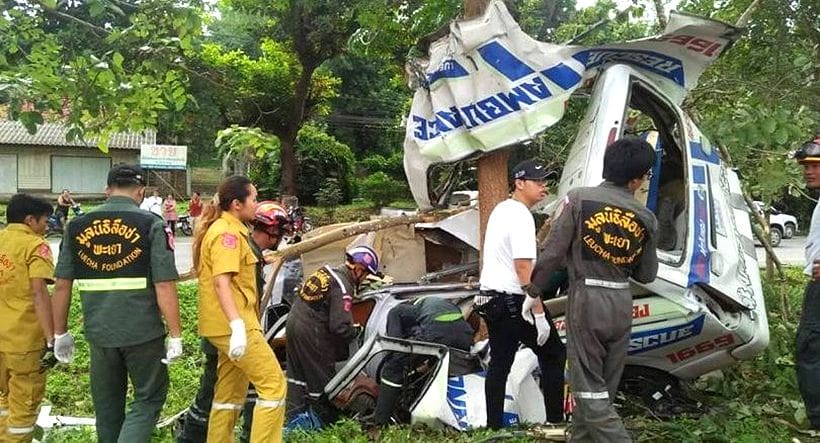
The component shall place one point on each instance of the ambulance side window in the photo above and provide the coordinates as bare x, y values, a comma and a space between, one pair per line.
652, 118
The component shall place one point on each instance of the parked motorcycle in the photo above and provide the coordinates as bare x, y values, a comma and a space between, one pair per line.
184, 225
301, 223
54, 225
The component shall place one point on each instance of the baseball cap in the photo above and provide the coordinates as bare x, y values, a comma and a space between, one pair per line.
126, 175
531, 170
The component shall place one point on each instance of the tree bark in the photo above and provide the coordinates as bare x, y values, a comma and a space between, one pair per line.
288, 142
661, 14
492, 167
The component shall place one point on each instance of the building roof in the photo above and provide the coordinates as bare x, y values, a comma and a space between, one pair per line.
53, 134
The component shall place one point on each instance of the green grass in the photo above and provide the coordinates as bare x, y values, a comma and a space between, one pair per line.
753, 401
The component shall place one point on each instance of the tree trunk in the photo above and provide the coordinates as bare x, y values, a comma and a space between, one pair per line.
288, 142
661, 14
492, 167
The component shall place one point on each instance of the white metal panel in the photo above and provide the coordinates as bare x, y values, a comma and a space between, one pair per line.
32, 168
79, 174
8, 173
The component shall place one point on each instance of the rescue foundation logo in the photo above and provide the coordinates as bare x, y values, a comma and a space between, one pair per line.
610, 233
315, 287
108, 245
7, 268
648, 340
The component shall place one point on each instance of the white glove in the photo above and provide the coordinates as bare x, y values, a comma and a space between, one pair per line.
526, 308
239, 340
173, 350
543, 329
64, 347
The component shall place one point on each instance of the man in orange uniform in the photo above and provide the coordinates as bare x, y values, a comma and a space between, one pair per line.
26, 326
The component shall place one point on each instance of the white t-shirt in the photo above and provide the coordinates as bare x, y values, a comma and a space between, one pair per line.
510, 235
152, 204
813, 242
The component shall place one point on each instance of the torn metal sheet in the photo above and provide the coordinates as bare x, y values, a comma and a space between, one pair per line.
488, 85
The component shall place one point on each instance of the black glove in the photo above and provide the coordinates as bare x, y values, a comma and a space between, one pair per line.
48, 359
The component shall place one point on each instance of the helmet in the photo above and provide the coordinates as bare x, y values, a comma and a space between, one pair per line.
365, 256
271, 215
809, 152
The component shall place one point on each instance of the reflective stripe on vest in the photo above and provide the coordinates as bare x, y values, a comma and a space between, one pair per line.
112, 284
20, 431
451, 316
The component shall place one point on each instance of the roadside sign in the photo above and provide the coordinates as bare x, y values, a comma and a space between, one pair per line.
163, 156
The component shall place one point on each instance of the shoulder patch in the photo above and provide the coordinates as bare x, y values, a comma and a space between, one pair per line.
229, 240
44, 250
315, 287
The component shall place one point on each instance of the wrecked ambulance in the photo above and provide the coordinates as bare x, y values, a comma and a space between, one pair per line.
488, 86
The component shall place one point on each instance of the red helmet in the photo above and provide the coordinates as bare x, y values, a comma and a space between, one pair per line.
271, 215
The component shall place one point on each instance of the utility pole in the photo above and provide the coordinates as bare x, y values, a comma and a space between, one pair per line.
492, 167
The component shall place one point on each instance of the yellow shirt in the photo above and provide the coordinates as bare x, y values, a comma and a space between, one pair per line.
225, 250
24, 255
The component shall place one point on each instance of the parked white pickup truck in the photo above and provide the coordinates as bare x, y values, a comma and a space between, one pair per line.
780, 225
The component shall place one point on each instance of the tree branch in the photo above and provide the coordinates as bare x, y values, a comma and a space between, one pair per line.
747, 15
92, 27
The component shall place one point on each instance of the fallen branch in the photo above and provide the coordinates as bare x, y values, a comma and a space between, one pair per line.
275, 259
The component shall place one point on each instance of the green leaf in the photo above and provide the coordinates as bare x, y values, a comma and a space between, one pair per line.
50, 4
30, 120
768, 125
781, 136
95, 9
117, 60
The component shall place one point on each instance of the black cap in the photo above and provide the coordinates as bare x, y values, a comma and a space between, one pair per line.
126, 175
531, 170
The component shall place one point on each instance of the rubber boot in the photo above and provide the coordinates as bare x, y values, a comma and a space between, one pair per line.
388, 397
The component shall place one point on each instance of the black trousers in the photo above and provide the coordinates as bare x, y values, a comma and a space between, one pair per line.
507, 331
808, 353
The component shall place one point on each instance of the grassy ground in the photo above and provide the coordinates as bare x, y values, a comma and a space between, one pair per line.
754, 401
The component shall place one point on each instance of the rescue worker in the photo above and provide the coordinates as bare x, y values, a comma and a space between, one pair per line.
603, 236
430, 319
26, 325
808, 331
122, 259
229, 318
270, 224
507, 261
320, 325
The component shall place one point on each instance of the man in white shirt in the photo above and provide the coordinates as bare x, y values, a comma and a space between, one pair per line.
808, 332
153, 203
508, 256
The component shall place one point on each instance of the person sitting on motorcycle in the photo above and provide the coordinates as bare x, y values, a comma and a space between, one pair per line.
64, 203
320, 324
430, 319
270, 224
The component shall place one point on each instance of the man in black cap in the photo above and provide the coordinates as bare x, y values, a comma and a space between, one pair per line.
507, 262
122, 259
603, 236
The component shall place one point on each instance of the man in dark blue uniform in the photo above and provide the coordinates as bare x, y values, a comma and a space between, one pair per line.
429, 319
